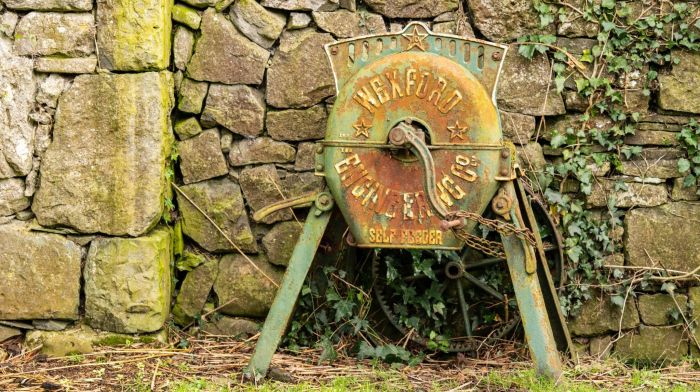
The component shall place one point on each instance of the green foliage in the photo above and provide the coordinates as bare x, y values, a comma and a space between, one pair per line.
689, 137
631, 47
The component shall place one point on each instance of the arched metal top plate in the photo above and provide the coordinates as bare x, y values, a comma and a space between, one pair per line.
482, 58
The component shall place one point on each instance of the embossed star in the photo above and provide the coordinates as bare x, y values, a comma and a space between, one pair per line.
456, 131
361, 129
415, 39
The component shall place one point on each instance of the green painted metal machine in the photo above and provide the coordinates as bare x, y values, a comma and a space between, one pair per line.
414, 158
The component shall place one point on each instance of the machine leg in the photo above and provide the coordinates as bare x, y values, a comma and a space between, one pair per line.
528, 293
281, 310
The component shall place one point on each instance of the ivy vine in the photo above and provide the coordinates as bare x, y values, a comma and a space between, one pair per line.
631, 46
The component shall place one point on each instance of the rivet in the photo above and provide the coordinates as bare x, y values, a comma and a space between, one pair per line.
505, 153
319, 149
334, 50
319, 167
504, 171
496, 56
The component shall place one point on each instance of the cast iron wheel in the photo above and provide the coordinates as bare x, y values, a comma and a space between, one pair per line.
455, 302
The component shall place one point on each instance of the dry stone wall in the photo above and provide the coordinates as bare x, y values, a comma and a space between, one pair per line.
103, 104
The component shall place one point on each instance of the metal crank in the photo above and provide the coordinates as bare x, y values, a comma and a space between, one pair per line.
413, 157
544, 325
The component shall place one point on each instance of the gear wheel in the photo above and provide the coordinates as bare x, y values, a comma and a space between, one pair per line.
455, 302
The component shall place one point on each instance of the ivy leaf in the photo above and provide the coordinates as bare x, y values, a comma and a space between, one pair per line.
558, 140
618, 300
668, 287
683, 165
527, 51
581, 84
609, 4
559, 82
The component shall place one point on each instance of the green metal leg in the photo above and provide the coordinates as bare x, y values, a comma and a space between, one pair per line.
283, 305
528, 294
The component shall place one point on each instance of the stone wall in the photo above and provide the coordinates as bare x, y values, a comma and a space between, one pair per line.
103, 104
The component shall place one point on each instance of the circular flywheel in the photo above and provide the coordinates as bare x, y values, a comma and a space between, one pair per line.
454, 301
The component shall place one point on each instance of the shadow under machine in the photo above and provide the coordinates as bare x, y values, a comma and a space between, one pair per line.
414, 159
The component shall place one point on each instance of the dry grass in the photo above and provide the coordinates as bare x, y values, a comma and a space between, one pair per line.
216, 363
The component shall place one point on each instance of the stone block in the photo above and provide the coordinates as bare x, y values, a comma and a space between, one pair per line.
224, 55
40, 275
261, 187
257, 23
279, 242
128, 282
301, 5
82, 339
53, 33
601, 346
242, 287
518, 128
205, 3
599, 315
662, 168
49, 5
231, 326
187, 16
188, 128
240, 109
653, 344
201, 157
134, 37
17, 89
306, 156
8, 22
191, 96
680, 192
104, 172
346, 24
412, 8
296, 125
297, 184
300, 75
636, 195
522, 87
78, 65
652, 138
183, 42
194, 292
260, 150
505, 20
663, 236
222, 200
298, 20
678, 90
531, 157
8, 333
12, 199
656, 309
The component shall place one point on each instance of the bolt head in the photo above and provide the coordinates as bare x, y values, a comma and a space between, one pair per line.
505, 171
497, 56
319, 167
505, 153
319, 149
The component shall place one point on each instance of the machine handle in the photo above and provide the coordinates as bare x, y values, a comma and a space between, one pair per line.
405, 135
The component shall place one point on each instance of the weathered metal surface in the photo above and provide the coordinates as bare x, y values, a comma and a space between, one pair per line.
413, 142
441, 84
528, 293
282, 307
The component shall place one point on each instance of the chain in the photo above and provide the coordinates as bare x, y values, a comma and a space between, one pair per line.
488, 247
